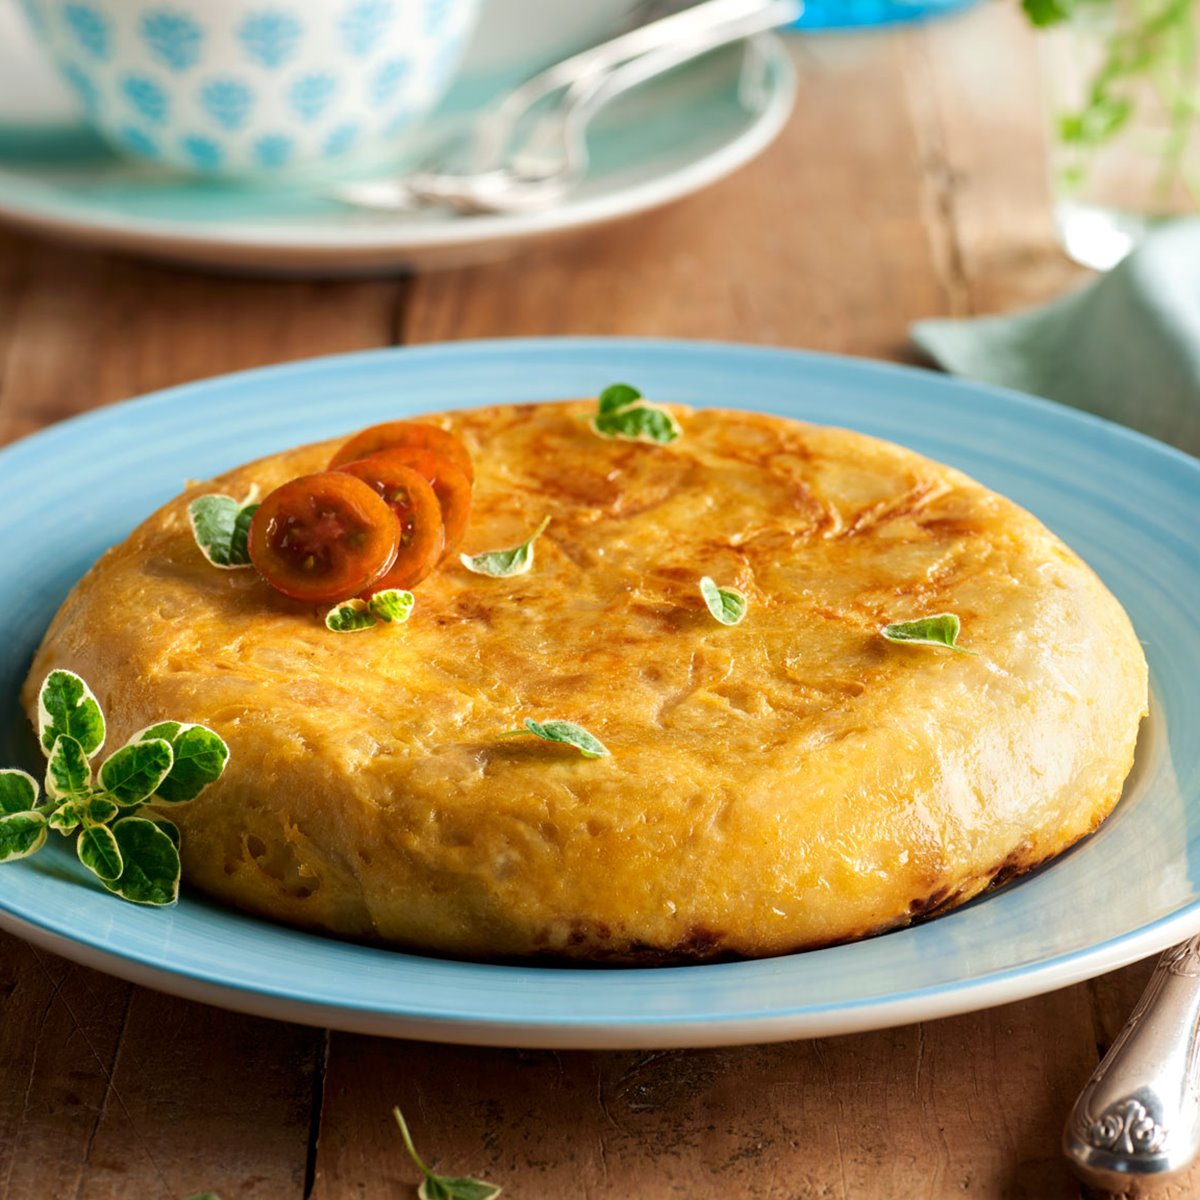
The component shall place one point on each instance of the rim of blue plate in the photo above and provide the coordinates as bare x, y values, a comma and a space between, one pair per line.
508, 360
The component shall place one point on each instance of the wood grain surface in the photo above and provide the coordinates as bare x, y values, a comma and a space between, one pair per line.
909, 183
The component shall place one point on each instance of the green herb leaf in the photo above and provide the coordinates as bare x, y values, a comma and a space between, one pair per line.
1047, 12
21, 834
132, 774
616, 397
351, 616
151, 863
168, 827
393, 605
221, 527
67, 769
443, 1187
726, 605
18, 791
66, 817
566, 732
500, 564
623, 412
98, 851
198, 759
641, 424
98, 808
938, 630
67, 708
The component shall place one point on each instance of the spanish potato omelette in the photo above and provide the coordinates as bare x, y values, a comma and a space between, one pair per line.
789, 782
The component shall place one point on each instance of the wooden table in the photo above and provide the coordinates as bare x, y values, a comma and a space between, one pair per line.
910, 182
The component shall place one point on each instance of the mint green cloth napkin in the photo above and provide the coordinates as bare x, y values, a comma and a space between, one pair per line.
1126, 347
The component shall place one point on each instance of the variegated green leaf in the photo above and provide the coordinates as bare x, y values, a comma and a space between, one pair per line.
98, 851
169, 828
21, 834
939, 630
393, 605
567, 733
443, 1187
67, 770
725, 604
150, 874
198, 759
67, 707
66, 817
133, 773
99, 808
351, 616
500, 564
624, 413
18, 791
221, 528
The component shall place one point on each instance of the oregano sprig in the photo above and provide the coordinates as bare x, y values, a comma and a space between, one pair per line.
135, 857
500, 564
726, 605
443, 1187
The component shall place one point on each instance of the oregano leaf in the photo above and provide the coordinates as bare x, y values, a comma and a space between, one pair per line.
616, 397
168, 827
21, 834
98, 851
67, 707
99, 808
132, 774
198, 759
500, 564
565, 732
727, 605
443, 1187
939, 630
66, 817
221, 527
150, 873
18, 791
393, 606
351, 616
67, 769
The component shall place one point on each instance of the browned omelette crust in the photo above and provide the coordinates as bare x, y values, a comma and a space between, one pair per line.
789, 782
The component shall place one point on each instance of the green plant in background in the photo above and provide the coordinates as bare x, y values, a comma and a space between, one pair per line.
1146, 45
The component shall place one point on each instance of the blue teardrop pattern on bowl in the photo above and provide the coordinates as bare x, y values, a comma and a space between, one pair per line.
341, 139
437, 13
387, 78
85, 87
173, 38
138, 141
271, 38
202, 152
228, 101
363, 23
148, 98
35, 14
310, 95
273, 151
89, 29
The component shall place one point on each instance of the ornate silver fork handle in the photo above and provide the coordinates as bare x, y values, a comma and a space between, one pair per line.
1137, 1120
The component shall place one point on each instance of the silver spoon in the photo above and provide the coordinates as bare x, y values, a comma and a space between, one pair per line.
554, 158
1137, 1121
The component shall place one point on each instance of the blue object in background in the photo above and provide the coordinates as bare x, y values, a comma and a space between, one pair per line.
849, 14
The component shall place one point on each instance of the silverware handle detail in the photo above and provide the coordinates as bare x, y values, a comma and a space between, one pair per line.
1137, 1121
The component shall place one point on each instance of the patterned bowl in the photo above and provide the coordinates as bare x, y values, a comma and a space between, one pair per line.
249, 87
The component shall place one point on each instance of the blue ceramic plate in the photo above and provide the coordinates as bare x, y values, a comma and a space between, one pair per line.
1125, 503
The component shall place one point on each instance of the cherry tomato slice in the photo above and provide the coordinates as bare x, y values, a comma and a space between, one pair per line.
323, 538
417, 510
406, 435
450, 486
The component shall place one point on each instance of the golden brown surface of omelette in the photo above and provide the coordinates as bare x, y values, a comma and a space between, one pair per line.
785, 783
